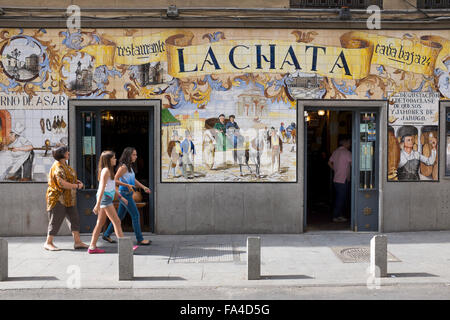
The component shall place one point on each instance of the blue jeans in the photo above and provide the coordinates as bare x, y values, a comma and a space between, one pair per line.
134, 213
340, 198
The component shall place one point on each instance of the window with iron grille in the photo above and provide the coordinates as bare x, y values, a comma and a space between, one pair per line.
433, 4
352, 4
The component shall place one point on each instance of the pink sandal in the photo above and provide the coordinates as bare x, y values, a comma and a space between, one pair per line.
135, 247
96, 250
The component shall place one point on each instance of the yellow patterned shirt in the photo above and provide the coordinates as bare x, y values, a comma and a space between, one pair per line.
55, 191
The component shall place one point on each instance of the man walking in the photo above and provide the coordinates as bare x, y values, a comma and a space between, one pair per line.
340, 161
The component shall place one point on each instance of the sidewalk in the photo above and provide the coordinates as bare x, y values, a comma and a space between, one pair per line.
220, 260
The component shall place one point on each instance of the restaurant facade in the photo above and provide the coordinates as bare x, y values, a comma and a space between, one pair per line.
233, 126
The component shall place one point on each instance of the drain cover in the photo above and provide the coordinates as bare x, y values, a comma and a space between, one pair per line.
358, 254
201, 253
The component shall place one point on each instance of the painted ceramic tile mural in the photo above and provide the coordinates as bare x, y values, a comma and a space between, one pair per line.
413, 136
255, 75
30, 127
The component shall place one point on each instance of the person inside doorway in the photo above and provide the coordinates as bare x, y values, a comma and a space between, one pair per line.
340, 162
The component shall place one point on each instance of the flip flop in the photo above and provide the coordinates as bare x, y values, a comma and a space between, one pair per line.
135, 247
76, 247
51, 249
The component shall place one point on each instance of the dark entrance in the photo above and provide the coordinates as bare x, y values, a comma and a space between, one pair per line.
114, 128
324, 129
121, 129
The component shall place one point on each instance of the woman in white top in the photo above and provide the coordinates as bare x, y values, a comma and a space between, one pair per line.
105, 196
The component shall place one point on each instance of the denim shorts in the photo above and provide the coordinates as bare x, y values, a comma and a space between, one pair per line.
106, 201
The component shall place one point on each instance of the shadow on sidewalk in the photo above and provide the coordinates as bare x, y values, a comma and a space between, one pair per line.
411, 275
36, 278
285, 277
158, 278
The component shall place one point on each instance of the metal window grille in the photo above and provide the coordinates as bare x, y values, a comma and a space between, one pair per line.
352, 4
433, 4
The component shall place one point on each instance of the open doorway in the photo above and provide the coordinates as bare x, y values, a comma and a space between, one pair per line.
325, 129
126, 128
114, 126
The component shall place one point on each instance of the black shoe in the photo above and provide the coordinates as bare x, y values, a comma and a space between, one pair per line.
145, 243
108, 239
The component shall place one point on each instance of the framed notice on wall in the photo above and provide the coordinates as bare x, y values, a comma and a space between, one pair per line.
413, 136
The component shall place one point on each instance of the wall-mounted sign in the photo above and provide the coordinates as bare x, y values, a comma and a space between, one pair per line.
43, 100
366, 156
89, 145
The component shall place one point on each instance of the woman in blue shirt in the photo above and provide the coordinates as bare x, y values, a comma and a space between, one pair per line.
126, 179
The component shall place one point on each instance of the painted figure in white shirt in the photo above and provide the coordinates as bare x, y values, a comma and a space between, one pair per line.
408, 167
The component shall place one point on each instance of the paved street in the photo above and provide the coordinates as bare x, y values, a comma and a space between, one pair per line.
388, 292
215, 266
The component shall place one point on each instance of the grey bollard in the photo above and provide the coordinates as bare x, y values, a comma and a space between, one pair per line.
3, 260
126, 266
378, 256
253, 258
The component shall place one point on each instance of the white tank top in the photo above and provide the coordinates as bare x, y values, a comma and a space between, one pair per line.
110, 187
